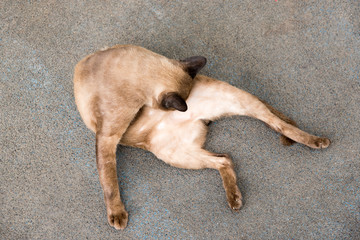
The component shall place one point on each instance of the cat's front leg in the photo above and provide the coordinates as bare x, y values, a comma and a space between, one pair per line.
106, 165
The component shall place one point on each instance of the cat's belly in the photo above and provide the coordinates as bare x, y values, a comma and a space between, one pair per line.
162, 132
170, 137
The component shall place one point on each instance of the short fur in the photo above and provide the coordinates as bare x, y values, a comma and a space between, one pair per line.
173, 136
111, 86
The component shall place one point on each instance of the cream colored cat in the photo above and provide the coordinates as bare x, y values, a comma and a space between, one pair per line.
178, 137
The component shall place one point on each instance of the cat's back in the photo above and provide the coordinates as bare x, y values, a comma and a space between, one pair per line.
104, 60
128, 64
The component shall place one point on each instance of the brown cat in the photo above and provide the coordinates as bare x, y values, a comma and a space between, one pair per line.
110, 87
178, 137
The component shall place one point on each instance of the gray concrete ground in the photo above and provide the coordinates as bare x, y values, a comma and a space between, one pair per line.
302, 57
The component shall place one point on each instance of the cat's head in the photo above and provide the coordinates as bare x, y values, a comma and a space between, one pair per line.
176, 100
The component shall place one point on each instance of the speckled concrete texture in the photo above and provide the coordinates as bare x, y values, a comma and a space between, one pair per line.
303, 57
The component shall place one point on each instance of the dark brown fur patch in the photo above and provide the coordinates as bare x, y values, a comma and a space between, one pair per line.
207, 122
283, 139
173, 100
109, 195
193, 65
221, 155
233, 194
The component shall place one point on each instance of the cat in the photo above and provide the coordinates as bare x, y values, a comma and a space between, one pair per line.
110, 87
177, 137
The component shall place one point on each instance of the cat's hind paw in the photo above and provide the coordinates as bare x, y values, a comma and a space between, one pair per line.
320, 143
234, 199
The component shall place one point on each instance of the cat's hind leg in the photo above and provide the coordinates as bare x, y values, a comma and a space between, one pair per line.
211, 99
197, 158
283, 139
288, 129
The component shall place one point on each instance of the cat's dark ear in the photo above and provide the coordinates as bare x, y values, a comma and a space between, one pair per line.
173, 100
193, 65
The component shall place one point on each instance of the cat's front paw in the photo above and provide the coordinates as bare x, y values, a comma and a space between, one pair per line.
234, 199
117, 217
